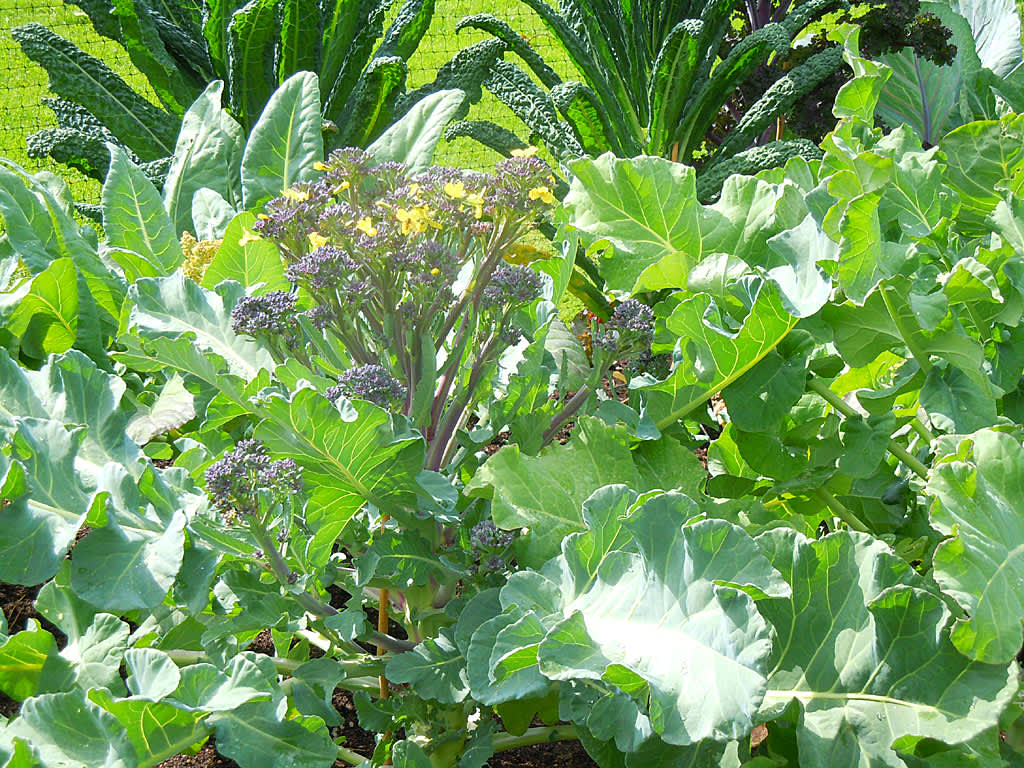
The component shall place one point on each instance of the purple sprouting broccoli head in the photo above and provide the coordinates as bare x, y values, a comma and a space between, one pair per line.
270, 314
238, 481
485, 535
368, 382
511, 284
635, 318
325, 267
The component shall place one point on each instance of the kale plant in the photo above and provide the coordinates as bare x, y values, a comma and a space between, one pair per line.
254, 47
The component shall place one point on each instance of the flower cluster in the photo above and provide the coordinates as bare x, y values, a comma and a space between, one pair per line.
368, 382
198, 255
270, 316
511, 284
246, 481
490, 545
628, 332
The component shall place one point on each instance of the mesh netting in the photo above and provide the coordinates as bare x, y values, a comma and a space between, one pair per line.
23, 85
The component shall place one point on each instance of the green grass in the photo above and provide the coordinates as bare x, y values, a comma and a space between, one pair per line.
24, 84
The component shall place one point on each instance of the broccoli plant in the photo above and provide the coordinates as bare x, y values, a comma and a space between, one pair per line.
405, 275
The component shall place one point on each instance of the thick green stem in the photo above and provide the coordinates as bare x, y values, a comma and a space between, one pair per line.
505, 741
921, 429
906, 334
840, 510
897, 450
350, 757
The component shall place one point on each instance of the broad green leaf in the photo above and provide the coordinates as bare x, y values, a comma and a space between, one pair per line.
799, 278
436, 670
211, 214
977, 493
40, 229
657, 620
255, 735
645, 208
413, 138
863, 647
714, 356
995, 25
251, 262
915, 193
920, 94
865, 258
208, 688
134, 218
49, 500
176, 308
349, 455
501, 661
955, 403
157, 730
46, 319
173, 407
980, 155
208, 155
68, 729
285, 141
151, 673
761, 398
37, 227
71, 389
96, 654
129, 565
31, 665
545, 493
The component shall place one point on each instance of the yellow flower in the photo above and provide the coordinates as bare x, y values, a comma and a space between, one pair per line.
456, 191
262, 217
543, 194
435, 271
415, 219
365, 225
318, 166
342, 187
414, 189
296, 195
528, 152
477, 201
316, 239
248, 237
